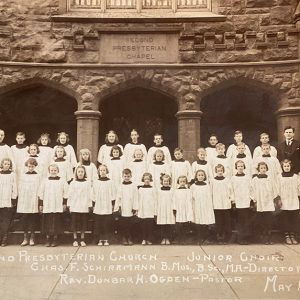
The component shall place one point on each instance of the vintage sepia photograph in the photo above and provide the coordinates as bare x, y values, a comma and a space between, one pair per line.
149, 149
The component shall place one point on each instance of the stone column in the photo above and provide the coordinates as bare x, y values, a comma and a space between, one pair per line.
88, 131
189, 132
289, 116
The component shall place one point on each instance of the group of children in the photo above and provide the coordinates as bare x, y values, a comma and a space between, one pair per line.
145, 189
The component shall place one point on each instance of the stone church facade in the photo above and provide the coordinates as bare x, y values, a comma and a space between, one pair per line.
188, 53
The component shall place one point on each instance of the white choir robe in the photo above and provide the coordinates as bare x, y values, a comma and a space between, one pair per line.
258, 152
8, 188
47, 155
211, 152
126, 199
196, 166
80, 196
28, 192
103, 195
115, 168
232, 151
129, 151
263, 192
241, 190
91, 172
165, 206
156, 169
53, 192
289, 191
6, 152
146, 204
274, 168
104, 153
71, 156
65, 169
182, 203
138, 168
202, 204
180, 168
248, 165
19, 157
151, 151
222, 193
225, 162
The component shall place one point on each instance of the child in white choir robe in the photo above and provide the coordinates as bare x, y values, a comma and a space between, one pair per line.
46, 152
104, 198
5, 150
211, 151
20, 153
53, 196
80, 203
182, 208
104, 154
9, 193
138, 166
222, 194
180, 167
264, 194
158, 145
220, 159
241, 184
34, 152
202, 205
274, 168
241, 155
157, 167
264, 139
289, 191
130, 148
165, 214
28, 190
232, 150
126, 200
90, 168
65, 168
63, 140
146, 208
201, 163
115, 165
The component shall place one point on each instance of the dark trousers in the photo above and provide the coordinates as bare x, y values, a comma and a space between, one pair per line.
30, 222
6, 215
202, 232
79, 221
181, 231
243, 223
223, 222
126, 227
265, 222
147, 226
166, 231
289, 221
102, 226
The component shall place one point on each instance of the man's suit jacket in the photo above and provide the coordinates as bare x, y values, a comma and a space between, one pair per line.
291, 152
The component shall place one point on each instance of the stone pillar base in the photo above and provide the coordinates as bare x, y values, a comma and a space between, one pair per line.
189, 132
88, 131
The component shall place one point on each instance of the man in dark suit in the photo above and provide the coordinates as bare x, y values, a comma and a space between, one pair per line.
290, 149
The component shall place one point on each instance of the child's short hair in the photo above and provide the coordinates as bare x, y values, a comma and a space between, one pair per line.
53, 166
80, 167
159, 151
158, 134
31, 161
238, 132
34, 145
201, 149
263, 134
266, 146
182, 176
145, 175
105, 166
63, 133
163, 176
134, 130
116, 148
262, 163
126, 172
6, 159
286, 161
116, 136
241, 144
239, 162
178, 150
220, 145
289, 127
20, 133
60, 147
219, 166
83, 151
47, 135
136, 150
213, 135
200, 171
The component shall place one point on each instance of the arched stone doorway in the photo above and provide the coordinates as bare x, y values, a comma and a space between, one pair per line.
35, 109
239, 105
144, 109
